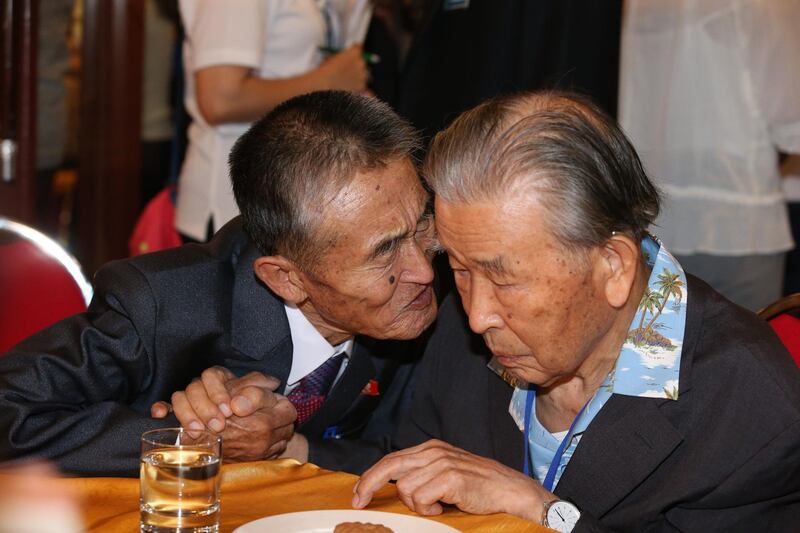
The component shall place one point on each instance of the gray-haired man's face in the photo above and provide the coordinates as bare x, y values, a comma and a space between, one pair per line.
541, 312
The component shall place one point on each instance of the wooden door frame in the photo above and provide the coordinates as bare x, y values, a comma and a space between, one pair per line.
110, 129
18, 53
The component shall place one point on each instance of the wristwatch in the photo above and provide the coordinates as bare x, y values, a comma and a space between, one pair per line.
560, 515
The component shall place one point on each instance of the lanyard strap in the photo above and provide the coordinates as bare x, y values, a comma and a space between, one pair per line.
554, 464
528, 408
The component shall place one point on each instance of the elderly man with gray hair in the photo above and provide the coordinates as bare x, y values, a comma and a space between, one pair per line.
621, 394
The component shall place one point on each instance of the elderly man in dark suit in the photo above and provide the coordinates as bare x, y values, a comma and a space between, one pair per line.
308, 304
627, 394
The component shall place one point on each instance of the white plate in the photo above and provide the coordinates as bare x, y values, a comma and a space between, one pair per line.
326, 521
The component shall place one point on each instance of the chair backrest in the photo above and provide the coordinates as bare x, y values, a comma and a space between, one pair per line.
40, 283
784, 317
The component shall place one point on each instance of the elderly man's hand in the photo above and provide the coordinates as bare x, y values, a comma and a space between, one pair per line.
255, 423
436, 472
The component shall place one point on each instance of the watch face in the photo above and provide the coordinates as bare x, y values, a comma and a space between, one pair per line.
562, 516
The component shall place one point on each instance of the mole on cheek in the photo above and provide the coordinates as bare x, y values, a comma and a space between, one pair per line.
391, 280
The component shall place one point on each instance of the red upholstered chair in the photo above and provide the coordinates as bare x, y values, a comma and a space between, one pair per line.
784, 317
40, 283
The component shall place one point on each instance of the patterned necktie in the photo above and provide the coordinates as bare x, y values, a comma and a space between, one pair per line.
310, 393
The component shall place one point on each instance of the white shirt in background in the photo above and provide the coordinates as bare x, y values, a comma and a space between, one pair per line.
709, 92
277, 39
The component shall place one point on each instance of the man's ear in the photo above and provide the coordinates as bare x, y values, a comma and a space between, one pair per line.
282, 276
620, 260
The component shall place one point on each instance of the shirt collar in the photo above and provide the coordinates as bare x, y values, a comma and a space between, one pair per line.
309, 347
650, 360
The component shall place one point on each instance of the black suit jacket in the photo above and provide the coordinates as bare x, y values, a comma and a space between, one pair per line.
79, 392
724, 457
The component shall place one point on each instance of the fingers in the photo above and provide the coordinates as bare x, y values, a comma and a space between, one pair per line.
410, 467
184, 412
205, 401
218, 394
393, 466
264, 434
422, 489
245, 396
249, 399
214, 381
204, 408
435, 473
160, 409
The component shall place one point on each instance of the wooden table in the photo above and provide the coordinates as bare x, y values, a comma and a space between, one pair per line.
253, 490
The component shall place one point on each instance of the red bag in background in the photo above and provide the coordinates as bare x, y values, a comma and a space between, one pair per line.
155, 229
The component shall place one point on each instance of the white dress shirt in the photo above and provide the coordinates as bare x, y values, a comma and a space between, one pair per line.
709, 91
275, 38
310, 349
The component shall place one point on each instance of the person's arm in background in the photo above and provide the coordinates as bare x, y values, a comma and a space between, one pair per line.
230, 93
227, 41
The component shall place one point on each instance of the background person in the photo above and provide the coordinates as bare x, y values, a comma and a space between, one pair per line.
709, 98
242, 58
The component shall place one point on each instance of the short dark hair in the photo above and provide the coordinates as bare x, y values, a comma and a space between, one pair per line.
556, 143
288, 166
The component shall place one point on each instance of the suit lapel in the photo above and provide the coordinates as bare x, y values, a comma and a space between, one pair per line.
506, 436
359, 371
259, 327
627, 440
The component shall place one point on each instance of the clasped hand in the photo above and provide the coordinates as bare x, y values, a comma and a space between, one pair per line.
254, 421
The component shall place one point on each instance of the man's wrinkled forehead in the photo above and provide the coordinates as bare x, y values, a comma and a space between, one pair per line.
375, 207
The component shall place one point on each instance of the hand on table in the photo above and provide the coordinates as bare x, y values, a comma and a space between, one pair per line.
435, 472
254, 421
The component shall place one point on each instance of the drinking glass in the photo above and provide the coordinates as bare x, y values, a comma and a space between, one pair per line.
179, 481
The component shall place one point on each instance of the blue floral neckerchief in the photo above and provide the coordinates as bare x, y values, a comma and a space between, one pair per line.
648, 364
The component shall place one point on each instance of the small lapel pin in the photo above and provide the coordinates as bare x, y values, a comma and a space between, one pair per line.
371, 388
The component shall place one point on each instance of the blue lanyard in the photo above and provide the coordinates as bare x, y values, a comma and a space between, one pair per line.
551, 472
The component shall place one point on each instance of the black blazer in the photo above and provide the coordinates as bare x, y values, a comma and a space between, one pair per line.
724, 457
80, 392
